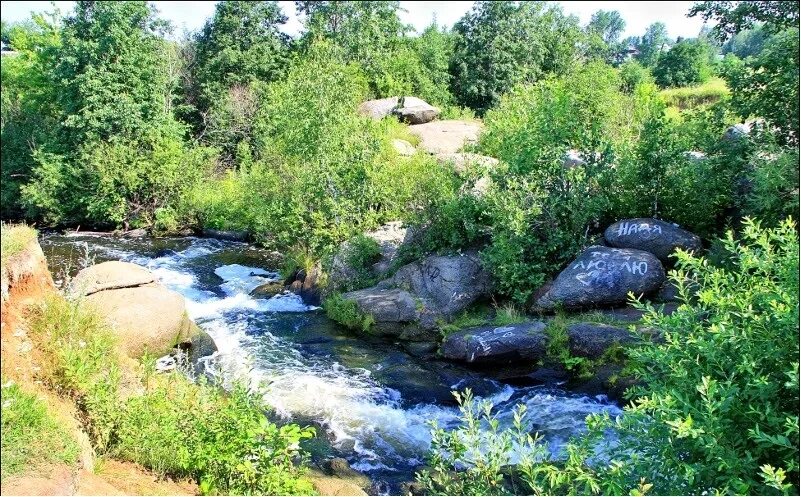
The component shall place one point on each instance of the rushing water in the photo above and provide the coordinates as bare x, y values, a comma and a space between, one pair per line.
371, 400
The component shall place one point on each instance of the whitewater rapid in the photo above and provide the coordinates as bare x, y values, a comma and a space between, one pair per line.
366, 421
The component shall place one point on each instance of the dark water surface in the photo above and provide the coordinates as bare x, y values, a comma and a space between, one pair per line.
371, 400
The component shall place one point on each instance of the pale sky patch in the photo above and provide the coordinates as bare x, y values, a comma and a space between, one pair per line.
190, 16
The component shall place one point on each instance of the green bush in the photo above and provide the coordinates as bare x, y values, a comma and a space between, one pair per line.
31, 434
167, 423
221, 439
634, 74
772, 181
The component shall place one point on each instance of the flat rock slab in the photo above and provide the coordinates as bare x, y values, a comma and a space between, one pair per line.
592, 340
603, 276
446, 137
403, 147
144, 319
385, 305
492, 344
462, 161
651, 235
109, 276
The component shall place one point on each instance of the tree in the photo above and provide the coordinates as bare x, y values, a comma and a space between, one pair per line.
603, 36
242, 43
434, 49
766, 85
500, 44
735, 17
746, 43
686, 63
368, 33
110, 71
652, 43
608, 24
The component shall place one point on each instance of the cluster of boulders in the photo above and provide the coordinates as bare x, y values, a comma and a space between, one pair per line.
602, 276
414, 303
632, 263
145, 316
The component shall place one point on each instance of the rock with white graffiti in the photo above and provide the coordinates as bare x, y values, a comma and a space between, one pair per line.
652, 235
497, 344
603, 276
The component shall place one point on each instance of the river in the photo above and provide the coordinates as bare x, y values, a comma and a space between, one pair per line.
371, 401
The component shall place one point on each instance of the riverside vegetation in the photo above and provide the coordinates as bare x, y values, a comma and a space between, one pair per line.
107, 123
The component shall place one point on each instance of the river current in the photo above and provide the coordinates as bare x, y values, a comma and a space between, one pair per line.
371, 401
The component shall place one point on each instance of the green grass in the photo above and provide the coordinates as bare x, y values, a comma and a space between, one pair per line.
31, 436
14, 238
483, 315
347, 313
689, 97
167, 423
396, 130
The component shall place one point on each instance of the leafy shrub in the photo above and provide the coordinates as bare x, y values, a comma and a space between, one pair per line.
634, 74
222, 439
347, 313
585, 111
361, 252
31, 434
773, 185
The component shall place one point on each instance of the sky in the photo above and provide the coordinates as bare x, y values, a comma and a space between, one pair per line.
190, 16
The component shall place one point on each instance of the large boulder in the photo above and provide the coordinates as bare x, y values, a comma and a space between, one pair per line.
603, 276
446, 137
144, 316
109, 275
423, 293
411, 109
445, 285
144, 319
417, 114
391, 308
592, 340
651, 235
496, 344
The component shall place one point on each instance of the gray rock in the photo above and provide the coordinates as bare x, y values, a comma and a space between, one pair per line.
572, 158
422, 293
268, 290
389, 237
492, 344
463, 161
200, 345
232, 236
445, 284
417, 114
603, 276
651, 235
737, 132
403, 147
695, 156
592, 340
413, 108
135, 233
307, 285
386, 305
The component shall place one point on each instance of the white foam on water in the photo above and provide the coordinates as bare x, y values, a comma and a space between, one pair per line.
243, 279
359, 414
